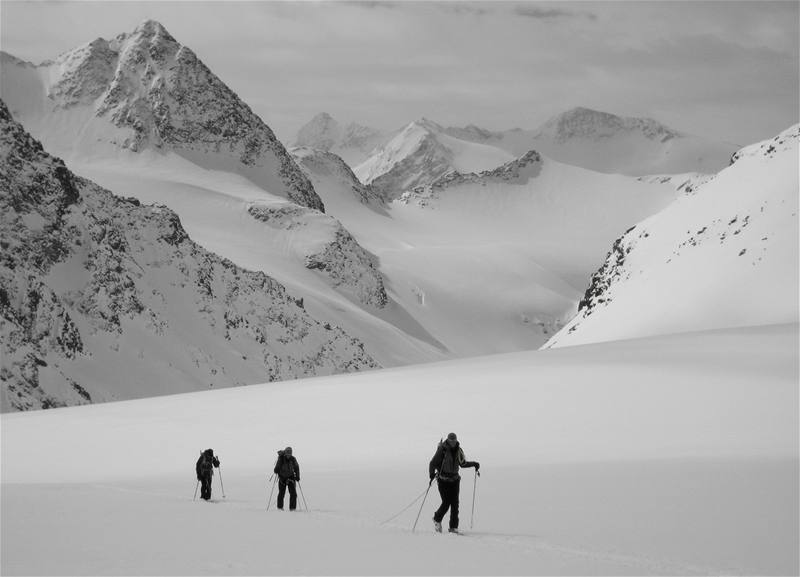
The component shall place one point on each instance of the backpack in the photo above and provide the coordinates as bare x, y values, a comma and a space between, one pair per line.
451, 461
205, 464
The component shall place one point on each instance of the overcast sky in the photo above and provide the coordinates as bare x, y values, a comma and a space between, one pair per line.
724, 70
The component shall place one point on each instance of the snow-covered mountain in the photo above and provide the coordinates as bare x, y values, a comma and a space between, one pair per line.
330, 168
102, 298
609, 143
352, 142
724, 254
492, 261
225, 207
144, 90
422, 152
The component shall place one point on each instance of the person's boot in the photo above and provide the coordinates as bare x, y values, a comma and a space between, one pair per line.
453, 530
437, 525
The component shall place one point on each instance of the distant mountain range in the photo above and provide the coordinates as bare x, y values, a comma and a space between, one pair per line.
352, 142
423, 150
439, 242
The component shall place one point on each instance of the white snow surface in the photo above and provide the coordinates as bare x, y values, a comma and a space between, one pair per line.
725, 254
670, 455
494, 262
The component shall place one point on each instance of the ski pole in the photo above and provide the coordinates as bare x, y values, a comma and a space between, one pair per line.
474, 488
220, 482
421, 506
275, 482
303, 496
411, 504
271, 477
195, 490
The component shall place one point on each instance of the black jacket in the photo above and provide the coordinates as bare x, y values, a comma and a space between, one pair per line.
447, 461
205, 464
287, 467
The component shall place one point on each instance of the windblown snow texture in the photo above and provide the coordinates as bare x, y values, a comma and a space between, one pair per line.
102, 298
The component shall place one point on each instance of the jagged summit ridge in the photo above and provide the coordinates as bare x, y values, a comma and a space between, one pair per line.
518, 171
422, 152
88, 279
159, 94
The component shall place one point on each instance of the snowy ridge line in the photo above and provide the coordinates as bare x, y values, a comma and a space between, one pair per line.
102, 298
145, 90
724, 254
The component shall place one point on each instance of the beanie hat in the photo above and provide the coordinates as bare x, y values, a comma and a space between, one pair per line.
452, 437
288, 450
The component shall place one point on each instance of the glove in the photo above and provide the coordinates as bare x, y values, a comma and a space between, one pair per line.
477, 466
297, 478
433, 476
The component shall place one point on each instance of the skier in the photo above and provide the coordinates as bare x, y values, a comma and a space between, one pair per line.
205, 470
444, 466
288, 471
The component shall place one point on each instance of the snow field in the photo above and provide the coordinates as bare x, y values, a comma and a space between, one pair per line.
669, 455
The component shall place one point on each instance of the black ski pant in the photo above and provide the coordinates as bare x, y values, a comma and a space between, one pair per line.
449, 491
282, 484
205, 486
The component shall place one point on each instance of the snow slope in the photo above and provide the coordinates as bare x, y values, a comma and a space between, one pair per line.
152, 122
311, 253
145, 90
104, 299
609, 143
495, 261
421, 153
670, 455
723, 255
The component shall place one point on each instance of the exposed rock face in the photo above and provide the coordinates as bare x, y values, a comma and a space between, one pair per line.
518, 171
326, 164
102, 298
351, 267
346, 265
429, 162
723, 254
157, 93
587, 123
420, 154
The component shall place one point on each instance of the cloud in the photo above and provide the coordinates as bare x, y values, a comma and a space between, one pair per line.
470, 8
541, 13
372, 4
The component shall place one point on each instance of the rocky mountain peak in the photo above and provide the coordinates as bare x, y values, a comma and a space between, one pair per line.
87, 277
581, 122
427, 124
157, 93
153, 32
322, 132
